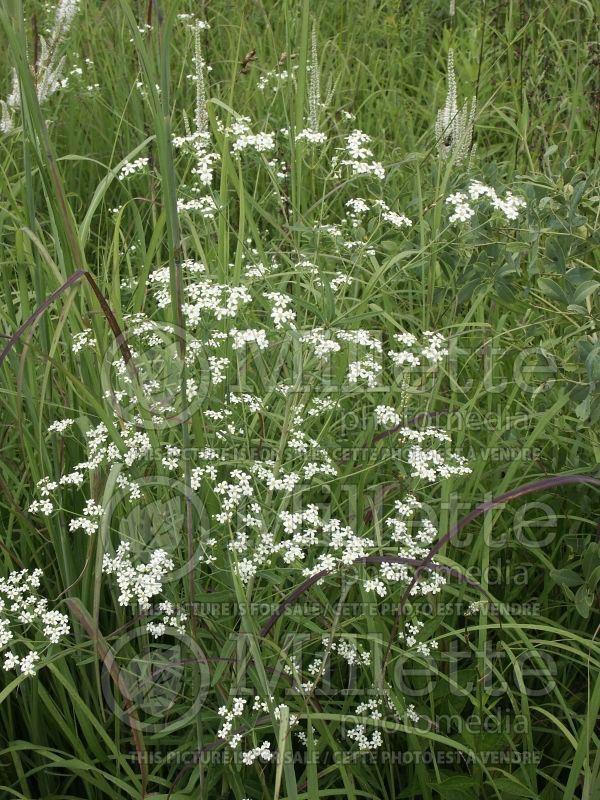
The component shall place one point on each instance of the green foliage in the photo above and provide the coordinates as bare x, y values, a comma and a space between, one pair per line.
513, 699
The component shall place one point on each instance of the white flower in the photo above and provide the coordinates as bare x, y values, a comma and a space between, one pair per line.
510, 206
133, 167
375, 585
387, 416
360, 157
244, 139
171, 619
21, 610
27, 663
60, 426
311, 136
141, 582
454, 127
366, 369
281, 314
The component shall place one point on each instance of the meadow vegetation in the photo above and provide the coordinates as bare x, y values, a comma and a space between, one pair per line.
300, 398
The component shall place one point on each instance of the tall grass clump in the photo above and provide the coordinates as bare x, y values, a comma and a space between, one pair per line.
300, 388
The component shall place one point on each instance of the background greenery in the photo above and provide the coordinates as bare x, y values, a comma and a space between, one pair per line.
499, 294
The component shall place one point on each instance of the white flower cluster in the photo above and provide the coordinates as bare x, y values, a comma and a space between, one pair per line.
367, 369
396, 219
221, 300
409, 636
409, 545
83, 339
159, 280
294, 670
324, 343
474, 607
129, 487
433, 348
21, 610
206, 206
358, 733
244, 139
138, 583
281, 313
303, 737
200, 145
302, 445
249, 401
89, 522
171, 620
387, 416
358, 207
412, 541
463, 210
133, 167
338, 281
262, 751
48, 69
320, 343
228, 717
276, 78
197, 24
352, 654
454, 127
301, 533
360, 158
263, 706
256, 336
232, 494
218, 369
311, 136
343, 545
427, 462
60, 425
234, 739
